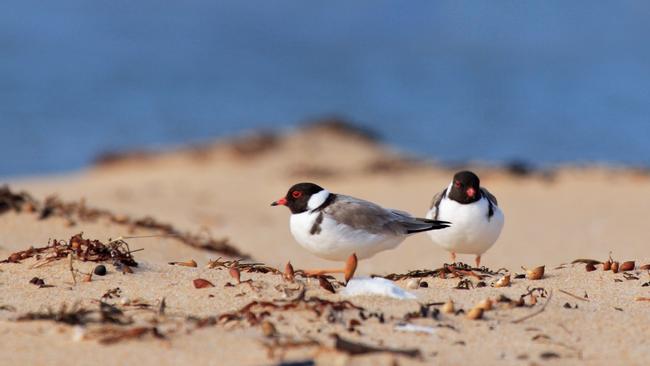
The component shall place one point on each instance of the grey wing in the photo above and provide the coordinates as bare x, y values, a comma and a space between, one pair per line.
489, 196
360, 214
435, 202
371, 217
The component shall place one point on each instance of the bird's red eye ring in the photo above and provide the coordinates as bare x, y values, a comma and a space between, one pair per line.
457, 184
296, 194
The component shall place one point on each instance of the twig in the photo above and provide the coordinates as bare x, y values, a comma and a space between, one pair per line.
74, 278
122, 238
550, 296
574, 296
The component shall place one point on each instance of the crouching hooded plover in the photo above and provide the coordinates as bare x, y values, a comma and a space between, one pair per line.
340, 228
477, 218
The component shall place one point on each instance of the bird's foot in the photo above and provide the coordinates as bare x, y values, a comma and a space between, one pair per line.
348, 270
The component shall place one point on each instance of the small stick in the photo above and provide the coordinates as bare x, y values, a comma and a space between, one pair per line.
142, 237
574, 296
74, 279
550, 296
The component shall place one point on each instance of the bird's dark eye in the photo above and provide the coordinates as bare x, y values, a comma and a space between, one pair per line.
457, 184
296, 194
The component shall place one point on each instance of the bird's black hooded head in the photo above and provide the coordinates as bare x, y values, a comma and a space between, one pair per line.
297, 198
465, 188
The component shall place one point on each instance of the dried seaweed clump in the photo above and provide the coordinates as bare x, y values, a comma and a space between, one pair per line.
14, 201
76, 315
72, 212
82, 249
456, 270
242, 267
257, 311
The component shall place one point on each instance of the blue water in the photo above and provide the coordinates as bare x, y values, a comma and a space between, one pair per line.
545, 81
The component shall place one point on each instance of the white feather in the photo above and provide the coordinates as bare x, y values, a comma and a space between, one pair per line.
317, 199
376, 286
471, 231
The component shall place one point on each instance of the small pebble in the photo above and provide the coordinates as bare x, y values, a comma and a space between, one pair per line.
413, 283
100, 270
37, 281
424, 284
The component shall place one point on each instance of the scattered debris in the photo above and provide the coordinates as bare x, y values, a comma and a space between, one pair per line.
84, 249
100, 270
593, 262
629, 276
485, 304
202, 283
458, 269
541, 310
424, 312
475, 313
413, 283
277, 347
589, 267
353, 348
549, 355
257, 311
503, 281
535, 273
73, 212
112, 293
324, 283
289, 274
242, 267
268, 329
190, 263
38, 282
413, 328
235, 274
464, 284
627, 266
574, 296
112, 335
77, 315
448, 307
607, 265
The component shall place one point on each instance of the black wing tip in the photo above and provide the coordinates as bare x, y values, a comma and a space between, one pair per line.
435, 225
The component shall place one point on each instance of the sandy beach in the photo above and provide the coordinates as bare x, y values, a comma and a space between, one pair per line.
215, 199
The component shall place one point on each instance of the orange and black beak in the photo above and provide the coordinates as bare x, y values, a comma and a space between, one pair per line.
470, 192
281, 202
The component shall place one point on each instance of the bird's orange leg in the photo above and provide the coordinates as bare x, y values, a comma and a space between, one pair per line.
478, 261
453, 257
348, 271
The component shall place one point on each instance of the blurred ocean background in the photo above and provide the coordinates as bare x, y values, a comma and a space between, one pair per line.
546, 82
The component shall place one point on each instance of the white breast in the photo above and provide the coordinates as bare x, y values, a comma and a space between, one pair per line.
471, 231
338, 241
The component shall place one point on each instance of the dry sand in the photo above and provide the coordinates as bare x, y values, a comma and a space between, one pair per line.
224, 190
